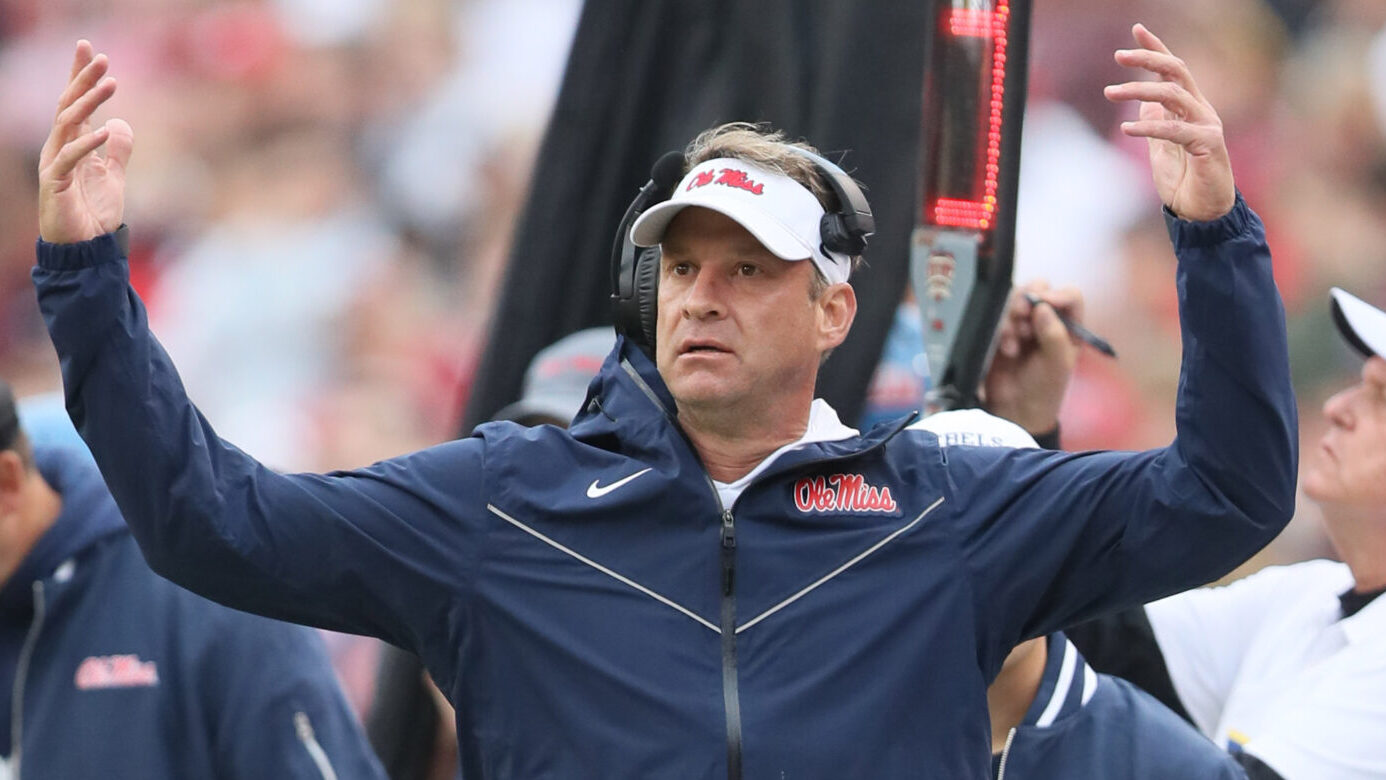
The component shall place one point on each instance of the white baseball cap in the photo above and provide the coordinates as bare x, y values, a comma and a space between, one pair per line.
780, 212
1362, 324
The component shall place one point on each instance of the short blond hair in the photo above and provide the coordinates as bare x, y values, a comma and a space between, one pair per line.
766, 148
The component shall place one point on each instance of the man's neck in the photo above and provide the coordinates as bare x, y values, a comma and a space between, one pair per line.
1013, 691
1359, 536
731, 445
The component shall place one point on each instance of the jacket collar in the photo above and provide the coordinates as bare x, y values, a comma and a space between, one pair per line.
628, 407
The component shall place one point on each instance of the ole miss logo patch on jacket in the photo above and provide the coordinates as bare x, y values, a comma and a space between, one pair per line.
841, 493
116, 671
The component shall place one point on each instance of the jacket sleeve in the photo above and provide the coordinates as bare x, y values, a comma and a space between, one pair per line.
276, 709
1053, 539
349, 551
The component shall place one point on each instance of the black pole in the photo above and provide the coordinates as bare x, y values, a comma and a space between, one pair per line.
963, 250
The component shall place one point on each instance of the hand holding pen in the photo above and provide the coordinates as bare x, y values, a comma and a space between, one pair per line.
1081, 333
1036, 353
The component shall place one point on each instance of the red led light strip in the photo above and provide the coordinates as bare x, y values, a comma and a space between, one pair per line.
970, 23
979, 24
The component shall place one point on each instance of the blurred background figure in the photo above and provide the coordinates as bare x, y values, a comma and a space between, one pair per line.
557, 379
114, 671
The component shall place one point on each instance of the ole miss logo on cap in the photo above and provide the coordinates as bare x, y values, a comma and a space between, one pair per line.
729, 177
841, 493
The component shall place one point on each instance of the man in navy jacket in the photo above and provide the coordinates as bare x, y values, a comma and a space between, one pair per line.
115, 672
707, 575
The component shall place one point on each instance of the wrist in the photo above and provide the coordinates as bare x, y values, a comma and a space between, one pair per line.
1047, 439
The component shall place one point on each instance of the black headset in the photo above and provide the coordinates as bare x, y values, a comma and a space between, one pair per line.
635, 270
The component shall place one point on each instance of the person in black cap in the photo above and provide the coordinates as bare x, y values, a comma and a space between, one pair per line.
113, 671
1286, 667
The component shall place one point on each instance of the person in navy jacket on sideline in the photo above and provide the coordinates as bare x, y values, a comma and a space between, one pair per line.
113, 671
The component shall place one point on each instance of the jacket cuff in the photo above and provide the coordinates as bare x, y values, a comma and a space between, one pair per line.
1188, 233
108, 248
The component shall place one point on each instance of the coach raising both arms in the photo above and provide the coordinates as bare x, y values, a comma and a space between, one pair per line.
708, 575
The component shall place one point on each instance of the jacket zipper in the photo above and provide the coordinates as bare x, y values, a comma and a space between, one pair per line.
731, 692
1005, 753
21, 673
304, 728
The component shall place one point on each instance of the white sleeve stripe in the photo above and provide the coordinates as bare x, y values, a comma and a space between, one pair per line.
1089, 683
1061, 687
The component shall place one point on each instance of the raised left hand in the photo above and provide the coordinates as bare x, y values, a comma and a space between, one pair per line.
82, 193
1188, 153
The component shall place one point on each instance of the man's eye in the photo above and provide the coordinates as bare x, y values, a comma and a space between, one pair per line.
747, 269
679, 269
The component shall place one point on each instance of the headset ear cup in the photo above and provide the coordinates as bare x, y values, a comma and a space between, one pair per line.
837, 237
647, 294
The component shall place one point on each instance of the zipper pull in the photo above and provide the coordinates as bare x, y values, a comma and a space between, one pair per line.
728, 545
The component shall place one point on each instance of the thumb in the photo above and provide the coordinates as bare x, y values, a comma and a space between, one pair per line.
119, 144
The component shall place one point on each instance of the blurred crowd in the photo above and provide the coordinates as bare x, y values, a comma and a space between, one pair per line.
322, 195
320, 200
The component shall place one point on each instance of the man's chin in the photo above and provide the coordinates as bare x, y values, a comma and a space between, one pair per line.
702, 392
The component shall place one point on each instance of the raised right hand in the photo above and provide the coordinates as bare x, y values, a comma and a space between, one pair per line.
81, 193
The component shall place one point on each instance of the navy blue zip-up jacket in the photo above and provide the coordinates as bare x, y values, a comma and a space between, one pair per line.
125, 675
1088, 725
593, 611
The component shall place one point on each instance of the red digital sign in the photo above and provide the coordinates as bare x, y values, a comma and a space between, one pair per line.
978, 209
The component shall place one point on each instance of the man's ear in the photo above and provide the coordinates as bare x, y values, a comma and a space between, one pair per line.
13, 475
837, 308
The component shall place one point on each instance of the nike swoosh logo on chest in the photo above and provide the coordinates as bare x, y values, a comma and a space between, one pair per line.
597, 491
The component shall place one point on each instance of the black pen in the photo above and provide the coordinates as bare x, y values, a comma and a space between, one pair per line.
1091, 339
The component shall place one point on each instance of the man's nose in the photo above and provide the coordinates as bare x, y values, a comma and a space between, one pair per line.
1338, 408
706, 297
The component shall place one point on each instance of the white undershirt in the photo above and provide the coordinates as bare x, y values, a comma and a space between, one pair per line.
823, 425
